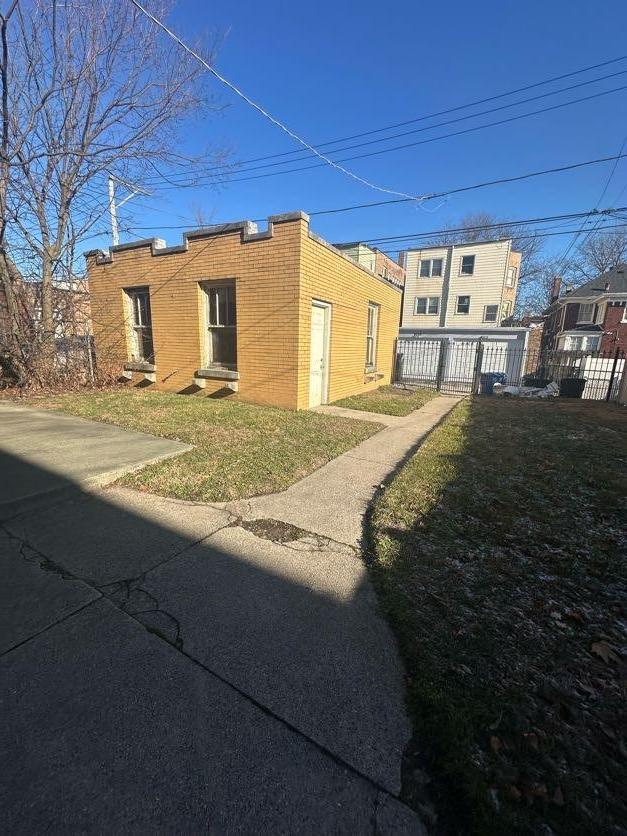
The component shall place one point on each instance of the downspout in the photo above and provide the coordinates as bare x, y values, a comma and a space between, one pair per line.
446, 282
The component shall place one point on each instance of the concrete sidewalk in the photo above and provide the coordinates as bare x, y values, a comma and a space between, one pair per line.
65, 452
332, 501
181, 667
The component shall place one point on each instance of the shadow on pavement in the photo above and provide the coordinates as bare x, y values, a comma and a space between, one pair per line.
163, 667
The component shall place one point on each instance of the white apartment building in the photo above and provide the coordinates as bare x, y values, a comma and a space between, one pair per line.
460, 286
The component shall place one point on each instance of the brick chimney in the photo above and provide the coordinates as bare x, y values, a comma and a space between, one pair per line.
555, 288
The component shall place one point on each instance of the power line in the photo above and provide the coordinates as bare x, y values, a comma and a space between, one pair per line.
223, 170
500, 225
450, 109
430, 139
519, 238
223, 177
325, 160
375, 204
605, 188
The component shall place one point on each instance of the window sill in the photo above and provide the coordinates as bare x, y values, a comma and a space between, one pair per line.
217, 373
139, 366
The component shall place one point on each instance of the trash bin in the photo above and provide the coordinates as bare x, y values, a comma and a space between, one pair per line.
572, 387
535, 381
488, 379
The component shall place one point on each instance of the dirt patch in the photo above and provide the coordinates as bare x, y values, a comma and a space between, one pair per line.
275, 530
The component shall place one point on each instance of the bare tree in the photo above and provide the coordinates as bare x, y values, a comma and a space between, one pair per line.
88, 90
600, 252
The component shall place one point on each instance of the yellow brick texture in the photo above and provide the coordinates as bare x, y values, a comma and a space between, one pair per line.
275, 281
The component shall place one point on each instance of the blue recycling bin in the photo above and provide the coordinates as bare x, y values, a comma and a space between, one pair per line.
488, 379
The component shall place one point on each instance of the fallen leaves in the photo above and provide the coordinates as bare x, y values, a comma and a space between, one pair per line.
605, 652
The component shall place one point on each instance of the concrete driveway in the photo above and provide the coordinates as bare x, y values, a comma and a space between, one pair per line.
172, 667
66, 452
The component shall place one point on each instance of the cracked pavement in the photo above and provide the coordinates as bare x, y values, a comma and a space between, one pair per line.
164, 667
184, 667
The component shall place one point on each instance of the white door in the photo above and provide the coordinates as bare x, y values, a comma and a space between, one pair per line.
318, 364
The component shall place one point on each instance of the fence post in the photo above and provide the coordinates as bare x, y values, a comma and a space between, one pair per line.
622, 386
441, 363
476, 379
612, 375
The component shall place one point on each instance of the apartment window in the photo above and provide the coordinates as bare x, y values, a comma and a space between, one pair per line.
430, 268
507, 309
583, 343
427, 305
221, 325
468, 265
586, 312
510, 281
490, 312
141, 325
463, 304
371, 335
624, 319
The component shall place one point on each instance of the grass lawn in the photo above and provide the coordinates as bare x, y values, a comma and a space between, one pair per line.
389, 400
241, 450
498, 553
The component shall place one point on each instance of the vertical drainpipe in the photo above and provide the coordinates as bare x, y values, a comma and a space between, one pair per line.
404, 266
446, 282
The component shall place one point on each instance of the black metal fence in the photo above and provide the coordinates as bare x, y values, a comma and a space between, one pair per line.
464, 366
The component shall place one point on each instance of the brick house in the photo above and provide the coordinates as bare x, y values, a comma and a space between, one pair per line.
279, 316
592, 317
374, 259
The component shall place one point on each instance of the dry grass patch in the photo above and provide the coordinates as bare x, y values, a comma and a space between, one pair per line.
240, 449
389, 400
499, 555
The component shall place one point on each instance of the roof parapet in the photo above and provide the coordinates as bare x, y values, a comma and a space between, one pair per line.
248, 230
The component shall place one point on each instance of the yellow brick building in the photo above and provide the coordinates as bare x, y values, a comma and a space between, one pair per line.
278, 316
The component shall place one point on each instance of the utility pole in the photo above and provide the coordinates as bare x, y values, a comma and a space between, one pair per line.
115, 237
113, 207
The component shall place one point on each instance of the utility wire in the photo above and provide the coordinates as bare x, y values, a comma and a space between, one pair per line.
590, 232
518, 238
325, 160
435, 195
448, 110
502, 224
422, 141
225, 168
570, 216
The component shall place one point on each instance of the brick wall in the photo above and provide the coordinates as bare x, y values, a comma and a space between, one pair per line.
615, 330
384, 266
266, 275
330, 277
276, 275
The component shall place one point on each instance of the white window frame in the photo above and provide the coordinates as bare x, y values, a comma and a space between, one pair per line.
457, 310
580, 318
372, 329
510, 279
463, 272
624, 319
430, 274
136, 326
207, 287
507, 308
485, 313
589, 342
428, 300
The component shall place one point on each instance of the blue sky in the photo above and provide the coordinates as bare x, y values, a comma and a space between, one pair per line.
335, 69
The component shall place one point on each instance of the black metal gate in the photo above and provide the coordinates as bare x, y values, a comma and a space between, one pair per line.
466, 366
